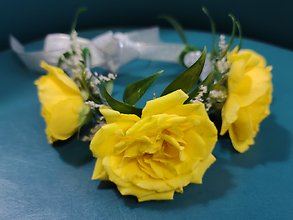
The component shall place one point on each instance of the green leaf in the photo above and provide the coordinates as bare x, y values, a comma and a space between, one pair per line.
207, 82
78, 12
119, 106
231, 37
240, 34
177, 26
109, 86
213, 29
136, 90
188, 79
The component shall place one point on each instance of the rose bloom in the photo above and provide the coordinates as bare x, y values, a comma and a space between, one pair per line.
153, 156
61, 102
249, 97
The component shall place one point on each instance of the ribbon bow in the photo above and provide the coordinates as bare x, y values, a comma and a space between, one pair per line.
108, 50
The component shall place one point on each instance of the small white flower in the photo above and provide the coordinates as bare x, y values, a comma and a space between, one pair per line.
93, 105
112, 76
223, 65
202, 90
218, 95
222, 43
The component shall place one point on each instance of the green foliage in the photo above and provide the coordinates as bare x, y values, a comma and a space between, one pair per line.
188, 79
213, 29
177, 26
78, 12
240, 34
117, 105
136, 90
232, 36
207, 82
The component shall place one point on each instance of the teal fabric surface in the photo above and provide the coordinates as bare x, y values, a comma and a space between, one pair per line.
40, 181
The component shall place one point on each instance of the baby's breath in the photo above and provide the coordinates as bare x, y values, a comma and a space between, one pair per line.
93, 105
223, 65
222, 43
199, 98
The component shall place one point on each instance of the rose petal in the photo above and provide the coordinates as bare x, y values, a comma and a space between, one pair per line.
64, 119
164, 103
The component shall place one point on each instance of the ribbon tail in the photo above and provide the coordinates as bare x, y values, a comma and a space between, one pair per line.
31, 59
167, 52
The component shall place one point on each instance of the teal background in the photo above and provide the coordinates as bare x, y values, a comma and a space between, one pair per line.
269, 21
40, 181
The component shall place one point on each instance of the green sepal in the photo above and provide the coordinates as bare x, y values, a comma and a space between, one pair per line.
188, 79
136, 90
84, 116
177, 26
117, 105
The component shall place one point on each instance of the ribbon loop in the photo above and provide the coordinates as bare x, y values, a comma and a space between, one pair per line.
108, 50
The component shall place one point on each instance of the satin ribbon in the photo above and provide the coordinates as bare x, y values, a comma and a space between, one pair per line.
109, 50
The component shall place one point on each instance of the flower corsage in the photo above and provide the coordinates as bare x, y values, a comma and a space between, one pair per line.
155, 151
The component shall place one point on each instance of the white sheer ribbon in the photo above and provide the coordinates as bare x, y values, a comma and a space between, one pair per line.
109, 50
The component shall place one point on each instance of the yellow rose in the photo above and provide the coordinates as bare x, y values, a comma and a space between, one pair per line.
153, 156
61, 102
249, 97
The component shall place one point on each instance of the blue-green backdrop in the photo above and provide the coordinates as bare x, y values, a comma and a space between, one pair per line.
269, 21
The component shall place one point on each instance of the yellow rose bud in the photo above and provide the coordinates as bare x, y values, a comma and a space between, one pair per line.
153, 156
61, 102
249, 97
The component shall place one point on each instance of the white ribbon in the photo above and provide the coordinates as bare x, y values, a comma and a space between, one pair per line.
108, 50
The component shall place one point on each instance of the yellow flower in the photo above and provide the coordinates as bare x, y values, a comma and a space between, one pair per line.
153, 156
249, 97
61, 102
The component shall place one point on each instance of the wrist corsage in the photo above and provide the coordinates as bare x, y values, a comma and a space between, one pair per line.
154, 151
